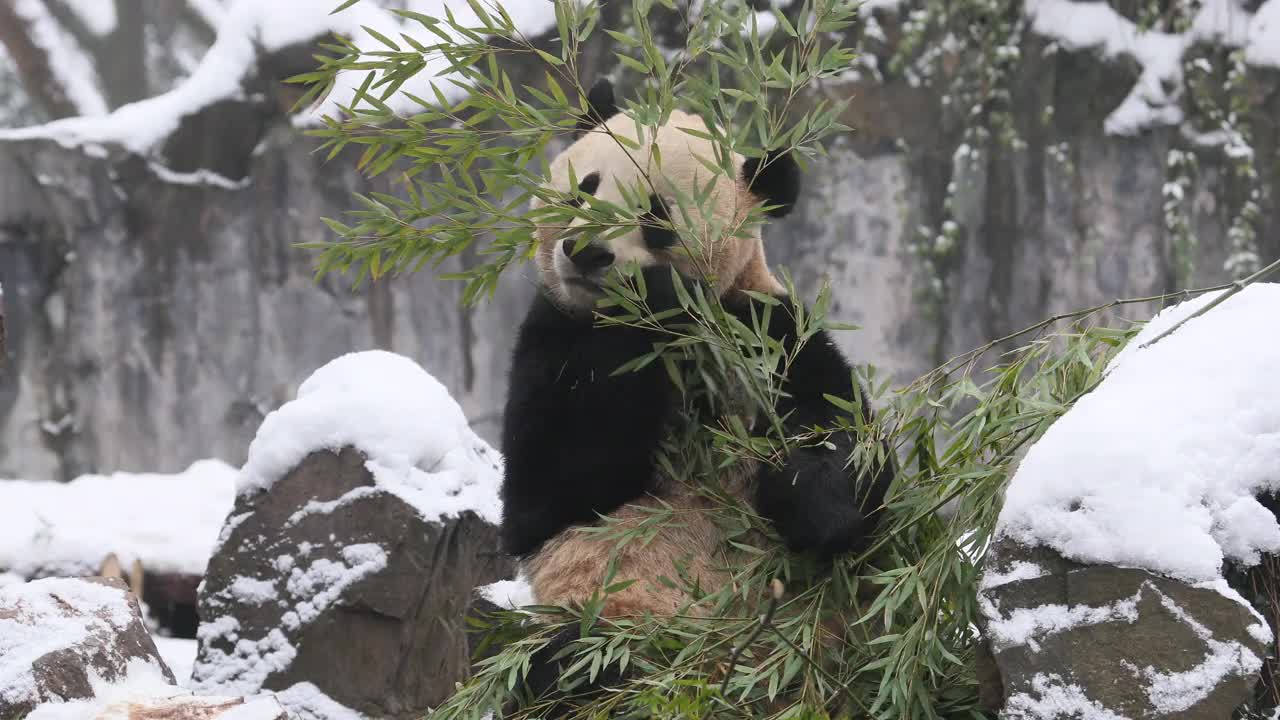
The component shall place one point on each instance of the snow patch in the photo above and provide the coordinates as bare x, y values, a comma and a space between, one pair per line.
242, 670
1020, 570
244, 27
508, 594
169, 522
252, 591
1055, 698
305, 701
1154, 99
1159, 466
98, 16
179, 654
417, 440
1174, 692
1026, 626
67, 62
325, 580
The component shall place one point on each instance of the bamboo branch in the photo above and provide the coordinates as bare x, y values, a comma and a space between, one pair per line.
1232, 289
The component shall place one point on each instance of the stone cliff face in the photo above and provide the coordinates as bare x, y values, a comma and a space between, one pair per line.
153, 319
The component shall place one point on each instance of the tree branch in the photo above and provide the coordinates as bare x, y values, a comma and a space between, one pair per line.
33, 64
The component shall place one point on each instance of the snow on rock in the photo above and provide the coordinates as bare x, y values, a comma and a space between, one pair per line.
1052, 697
249, 25
1159, 466
61, 638
508, 594
305, 701
1154, 99
169, 522
418, 442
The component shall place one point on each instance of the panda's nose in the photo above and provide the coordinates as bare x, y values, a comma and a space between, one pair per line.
590, 258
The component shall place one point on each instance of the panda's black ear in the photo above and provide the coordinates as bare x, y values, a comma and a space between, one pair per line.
775, 179
600, 105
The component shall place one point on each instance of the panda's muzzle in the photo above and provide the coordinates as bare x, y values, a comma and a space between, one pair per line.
591, 259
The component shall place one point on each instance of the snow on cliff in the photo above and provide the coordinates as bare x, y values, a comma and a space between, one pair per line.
1159, 466
248, 25
1155, 98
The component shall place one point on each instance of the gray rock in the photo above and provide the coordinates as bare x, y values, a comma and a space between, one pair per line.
326, 579
1062, 638
60, 636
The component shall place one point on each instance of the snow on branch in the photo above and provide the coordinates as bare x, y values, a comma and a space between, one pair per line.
61, 72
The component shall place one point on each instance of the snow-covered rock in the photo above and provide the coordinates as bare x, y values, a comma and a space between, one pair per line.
1103, 642
1161, 465
1103, 594
61, 639
366, 514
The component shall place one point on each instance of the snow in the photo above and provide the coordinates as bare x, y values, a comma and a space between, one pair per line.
1264, 36
1027, 626
1159, 466
324, 581
252, 591
308, 589
508, 594
98, 16
168, 522
144, 692
1020, 570
44, 616
243, 670
305, 701
1174, 692
1057, 699
1154, 99
417, 440
67, 61
179, 654
250, 24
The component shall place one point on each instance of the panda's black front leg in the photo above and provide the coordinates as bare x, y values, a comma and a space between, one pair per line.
578, 440
816, 501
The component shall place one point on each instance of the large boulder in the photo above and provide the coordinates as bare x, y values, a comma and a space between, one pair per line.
365, 516
1067, 640
61, 637
328, 579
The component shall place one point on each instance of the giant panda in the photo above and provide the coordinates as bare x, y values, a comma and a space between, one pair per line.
580, 442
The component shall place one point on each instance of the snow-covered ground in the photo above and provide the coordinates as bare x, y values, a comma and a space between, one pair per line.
1159, 466
169, 522
179, 654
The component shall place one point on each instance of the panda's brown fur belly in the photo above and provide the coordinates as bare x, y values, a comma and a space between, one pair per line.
689, 546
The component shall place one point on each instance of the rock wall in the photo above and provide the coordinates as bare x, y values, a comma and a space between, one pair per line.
154, 318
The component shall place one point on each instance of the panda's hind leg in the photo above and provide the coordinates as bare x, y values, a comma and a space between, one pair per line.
542, 694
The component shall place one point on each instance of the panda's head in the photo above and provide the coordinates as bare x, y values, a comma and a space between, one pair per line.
706, 233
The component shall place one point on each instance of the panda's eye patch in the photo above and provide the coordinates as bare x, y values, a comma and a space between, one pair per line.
588, 186
657, 235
